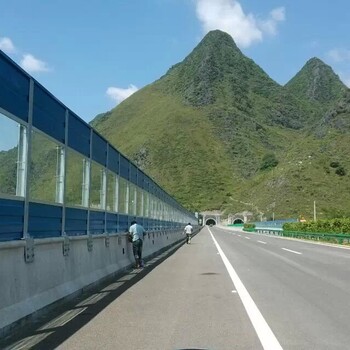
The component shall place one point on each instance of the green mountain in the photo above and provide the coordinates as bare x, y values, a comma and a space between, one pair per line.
317, 83
317, 88
218, 133
337, 118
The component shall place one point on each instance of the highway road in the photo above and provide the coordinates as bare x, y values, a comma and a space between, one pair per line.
226, 290
301, 288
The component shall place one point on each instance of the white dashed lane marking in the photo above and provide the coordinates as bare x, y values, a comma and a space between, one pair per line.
291, 251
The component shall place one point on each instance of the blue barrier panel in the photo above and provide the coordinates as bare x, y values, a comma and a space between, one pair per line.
124, 167
145, 223
133, 174
44, 220
146, 183
48, 114
11, 219
123, 223
99, 149
14, 87
113, 159
140, 178
142, 222
152, 224
151, 186
112, 223
164, 196
78, 135
275, 223
97, 222
76, 222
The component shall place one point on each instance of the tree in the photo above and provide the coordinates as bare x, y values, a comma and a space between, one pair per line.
340, 171
269, 161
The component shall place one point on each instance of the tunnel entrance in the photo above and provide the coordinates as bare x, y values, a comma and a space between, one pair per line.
211, 222
238, 222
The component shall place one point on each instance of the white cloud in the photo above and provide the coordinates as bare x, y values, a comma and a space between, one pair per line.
120, 94
32, 64
228, 16
270, 25
278, 14
6, 45
339, 55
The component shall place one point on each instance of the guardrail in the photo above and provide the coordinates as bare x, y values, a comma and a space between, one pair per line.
314, 236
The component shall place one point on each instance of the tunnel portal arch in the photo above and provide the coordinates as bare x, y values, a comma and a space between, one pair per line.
211, 217
238, 221
210, 221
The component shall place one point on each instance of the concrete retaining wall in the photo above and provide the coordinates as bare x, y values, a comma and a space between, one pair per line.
27, 287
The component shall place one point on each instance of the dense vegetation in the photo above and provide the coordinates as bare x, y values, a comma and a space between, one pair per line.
249, 227
218, 133
320, 226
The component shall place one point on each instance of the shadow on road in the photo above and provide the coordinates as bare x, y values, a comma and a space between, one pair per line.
61, 322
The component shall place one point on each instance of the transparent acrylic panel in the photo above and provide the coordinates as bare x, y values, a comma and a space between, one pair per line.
152, 207
112, 193
159, 209
146, 204
150, 203
45, 168
9, 155
123, 191
162, 211
139, 209
76, 165
97, 190
155, 208
132, 199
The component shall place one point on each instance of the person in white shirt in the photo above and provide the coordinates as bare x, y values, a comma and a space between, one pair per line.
137, 233
188, 231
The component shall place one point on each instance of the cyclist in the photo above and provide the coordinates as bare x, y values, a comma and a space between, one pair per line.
188, 231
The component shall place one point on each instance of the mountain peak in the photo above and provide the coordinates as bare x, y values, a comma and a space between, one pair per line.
217, 43
314, 61
215, 69
218, 37
316, 81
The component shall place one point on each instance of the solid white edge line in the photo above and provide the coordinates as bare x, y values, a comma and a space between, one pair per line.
267, 338
292, 251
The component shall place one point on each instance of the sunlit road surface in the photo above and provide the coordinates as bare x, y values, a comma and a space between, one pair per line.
221, 292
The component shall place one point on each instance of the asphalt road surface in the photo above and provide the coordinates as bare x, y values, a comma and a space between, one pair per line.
226, 290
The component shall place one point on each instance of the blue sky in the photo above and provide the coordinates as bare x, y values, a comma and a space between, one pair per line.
92, 54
